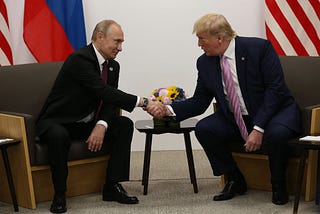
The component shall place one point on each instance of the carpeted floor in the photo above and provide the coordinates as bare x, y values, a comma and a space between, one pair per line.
170, 192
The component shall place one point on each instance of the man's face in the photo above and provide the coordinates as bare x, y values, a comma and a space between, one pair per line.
111, 44
211, 45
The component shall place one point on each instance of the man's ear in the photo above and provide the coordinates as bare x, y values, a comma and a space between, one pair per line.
100, 35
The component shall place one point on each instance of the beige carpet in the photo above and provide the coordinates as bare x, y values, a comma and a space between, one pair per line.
170, 192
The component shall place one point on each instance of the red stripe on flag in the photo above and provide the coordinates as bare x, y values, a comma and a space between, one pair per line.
3, 11
4, 44
305, 23
316, 6
6, 48
286, 28
274, 42
43, 34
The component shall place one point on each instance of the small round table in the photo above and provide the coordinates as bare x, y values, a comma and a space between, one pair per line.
184, 127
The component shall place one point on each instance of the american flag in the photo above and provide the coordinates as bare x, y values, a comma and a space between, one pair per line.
293, 26
5, 47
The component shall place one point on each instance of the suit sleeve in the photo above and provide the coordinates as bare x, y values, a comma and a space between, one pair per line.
198, 103
86, 73
276, 92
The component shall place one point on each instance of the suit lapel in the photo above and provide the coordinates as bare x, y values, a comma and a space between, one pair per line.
241, 63
112, 74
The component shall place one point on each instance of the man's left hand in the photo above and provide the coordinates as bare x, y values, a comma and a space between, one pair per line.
254, 141
95, 139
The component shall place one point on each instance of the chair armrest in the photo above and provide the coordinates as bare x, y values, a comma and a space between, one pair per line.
307, 118
315, 121
29, 126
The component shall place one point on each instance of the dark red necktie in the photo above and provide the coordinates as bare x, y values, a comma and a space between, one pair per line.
104, 73
104, 77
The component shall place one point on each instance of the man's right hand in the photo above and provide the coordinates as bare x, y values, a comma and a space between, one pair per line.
157, 109
95, 140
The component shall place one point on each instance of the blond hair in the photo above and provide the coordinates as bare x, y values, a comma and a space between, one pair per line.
215, 25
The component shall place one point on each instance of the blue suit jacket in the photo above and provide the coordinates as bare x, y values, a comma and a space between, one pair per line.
261, 81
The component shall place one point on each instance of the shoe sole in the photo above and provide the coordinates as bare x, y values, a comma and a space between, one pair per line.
121, 202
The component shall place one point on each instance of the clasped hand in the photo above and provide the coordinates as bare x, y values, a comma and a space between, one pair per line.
157, 109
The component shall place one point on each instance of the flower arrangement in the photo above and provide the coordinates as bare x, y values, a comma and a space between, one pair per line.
168, 95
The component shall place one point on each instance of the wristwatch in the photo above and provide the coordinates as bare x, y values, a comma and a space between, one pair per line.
145, 102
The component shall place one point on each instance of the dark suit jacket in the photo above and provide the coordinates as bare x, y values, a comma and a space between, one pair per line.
262, 84
79, 88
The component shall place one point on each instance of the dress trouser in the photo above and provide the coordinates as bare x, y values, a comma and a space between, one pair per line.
118, 139
215, 133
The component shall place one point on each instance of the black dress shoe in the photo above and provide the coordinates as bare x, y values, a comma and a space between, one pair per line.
279, 194
117, 193
58, 204
231, 189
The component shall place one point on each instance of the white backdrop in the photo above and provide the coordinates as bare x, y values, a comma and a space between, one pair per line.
160, 49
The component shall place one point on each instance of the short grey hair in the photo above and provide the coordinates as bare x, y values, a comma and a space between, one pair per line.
102, 27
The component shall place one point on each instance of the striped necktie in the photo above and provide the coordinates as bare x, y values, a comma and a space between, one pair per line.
233, 97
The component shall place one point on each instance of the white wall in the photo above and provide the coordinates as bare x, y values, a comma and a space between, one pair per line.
160, 49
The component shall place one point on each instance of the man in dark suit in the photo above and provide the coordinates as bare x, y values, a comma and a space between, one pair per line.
82, 104
268, 111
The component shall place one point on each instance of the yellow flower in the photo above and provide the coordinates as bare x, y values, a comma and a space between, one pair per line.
172, 92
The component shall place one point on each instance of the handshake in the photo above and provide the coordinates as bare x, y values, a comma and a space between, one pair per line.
155, 108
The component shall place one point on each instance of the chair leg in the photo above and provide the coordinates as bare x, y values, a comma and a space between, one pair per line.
192, 171
302, 163
9, 176
146, 164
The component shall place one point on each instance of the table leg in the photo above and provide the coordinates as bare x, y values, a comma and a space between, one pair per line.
302, 163
192, 171
146, 164
9, 176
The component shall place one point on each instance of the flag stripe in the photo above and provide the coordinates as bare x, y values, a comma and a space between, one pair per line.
5, 36
3, 11
6, 48
286, 27
294, 24
305, 24
43, 34
316, 4
275, 43
3, 58
279, 35
71, 19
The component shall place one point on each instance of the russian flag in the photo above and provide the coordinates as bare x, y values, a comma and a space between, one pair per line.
53, 29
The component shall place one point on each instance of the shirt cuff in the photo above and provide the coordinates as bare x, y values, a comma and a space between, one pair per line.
258, 129
171, 110
104, 123
138, 101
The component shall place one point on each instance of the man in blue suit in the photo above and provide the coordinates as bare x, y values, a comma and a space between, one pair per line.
270, 114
